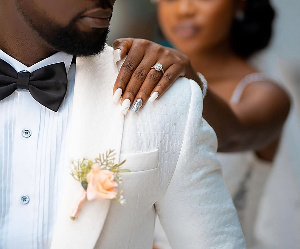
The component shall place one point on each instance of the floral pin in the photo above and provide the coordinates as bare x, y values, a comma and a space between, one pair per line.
99, 178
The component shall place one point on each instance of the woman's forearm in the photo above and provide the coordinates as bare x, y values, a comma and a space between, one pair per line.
234, 134
223, 120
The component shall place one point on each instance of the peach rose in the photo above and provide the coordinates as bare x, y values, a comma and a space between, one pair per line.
101, 184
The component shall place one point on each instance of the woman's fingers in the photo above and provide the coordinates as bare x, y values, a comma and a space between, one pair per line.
143, 81
128, 68
169, 77
155, 84
154, 76
134, 85
149, 70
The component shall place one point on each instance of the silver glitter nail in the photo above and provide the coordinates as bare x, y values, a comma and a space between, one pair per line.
137, 105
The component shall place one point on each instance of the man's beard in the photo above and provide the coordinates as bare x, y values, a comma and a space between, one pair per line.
68, 39
72, 41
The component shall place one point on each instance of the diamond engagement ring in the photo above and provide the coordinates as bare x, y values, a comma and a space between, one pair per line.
158, 67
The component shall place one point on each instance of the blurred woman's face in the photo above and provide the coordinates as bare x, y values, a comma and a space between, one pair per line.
196, 25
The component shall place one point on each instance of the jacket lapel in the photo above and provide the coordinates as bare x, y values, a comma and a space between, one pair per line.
97, 126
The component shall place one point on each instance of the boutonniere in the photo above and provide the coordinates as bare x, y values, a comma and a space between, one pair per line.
100, 179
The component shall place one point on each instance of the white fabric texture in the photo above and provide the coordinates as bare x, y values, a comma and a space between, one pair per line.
31, 166
97, 126
244, 174
175, 173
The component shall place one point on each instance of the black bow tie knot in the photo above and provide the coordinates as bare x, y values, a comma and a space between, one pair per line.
47, 85
23, 80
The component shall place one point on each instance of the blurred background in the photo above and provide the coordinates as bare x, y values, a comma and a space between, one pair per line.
133, 18
280, 228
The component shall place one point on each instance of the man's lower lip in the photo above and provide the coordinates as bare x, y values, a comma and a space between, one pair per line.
95, 22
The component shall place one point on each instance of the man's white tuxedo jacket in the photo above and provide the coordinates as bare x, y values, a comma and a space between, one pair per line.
170, 151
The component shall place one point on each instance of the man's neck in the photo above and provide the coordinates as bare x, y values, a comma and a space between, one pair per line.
28, 53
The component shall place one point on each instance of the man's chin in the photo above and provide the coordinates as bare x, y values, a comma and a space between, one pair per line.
80, 43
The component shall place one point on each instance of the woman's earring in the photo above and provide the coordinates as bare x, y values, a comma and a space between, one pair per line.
240, 15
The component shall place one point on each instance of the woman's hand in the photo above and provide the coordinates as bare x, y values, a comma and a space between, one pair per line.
138, 79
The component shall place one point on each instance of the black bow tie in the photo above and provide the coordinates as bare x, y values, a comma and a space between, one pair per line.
47, 85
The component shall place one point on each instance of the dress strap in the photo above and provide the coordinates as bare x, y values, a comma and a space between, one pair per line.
248, 79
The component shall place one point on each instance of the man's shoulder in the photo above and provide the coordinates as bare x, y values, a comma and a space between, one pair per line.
183, 95
183, 90
173, 108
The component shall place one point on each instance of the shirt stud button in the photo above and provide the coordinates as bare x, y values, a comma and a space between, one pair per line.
25, 199
26, 133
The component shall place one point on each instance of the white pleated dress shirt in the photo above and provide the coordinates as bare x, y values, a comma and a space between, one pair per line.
33, 159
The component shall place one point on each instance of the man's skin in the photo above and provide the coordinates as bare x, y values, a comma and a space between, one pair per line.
27, 27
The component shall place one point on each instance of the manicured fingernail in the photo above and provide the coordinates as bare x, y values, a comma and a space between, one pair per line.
153, 97
137, 105
125, 106
117, 96
117, 55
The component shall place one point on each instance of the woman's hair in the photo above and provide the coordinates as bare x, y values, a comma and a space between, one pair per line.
254, 31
